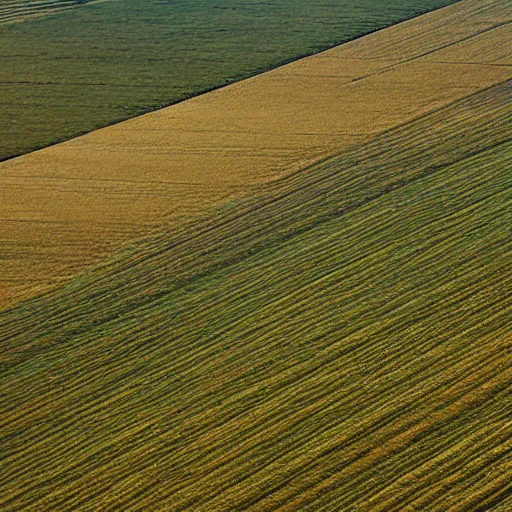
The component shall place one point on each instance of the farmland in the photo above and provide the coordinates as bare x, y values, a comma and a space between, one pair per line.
17, 11
71, 205
339, 342
71, 67
291, 294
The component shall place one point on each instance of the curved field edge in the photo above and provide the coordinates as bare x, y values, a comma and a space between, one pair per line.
71, 205
341, 343
105, 62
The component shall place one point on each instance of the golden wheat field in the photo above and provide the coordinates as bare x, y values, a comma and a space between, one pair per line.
70, 205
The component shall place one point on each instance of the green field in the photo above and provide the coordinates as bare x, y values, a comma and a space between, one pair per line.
339, 343
82, 68
16, 11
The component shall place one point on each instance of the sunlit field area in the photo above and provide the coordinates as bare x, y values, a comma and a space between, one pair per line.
291, 294
69, 67
73, 204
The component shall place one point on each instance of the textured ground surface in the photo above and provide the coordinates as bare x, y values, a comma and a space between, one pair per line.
16, 11
67, 206
341, 343
71, 67
338, 341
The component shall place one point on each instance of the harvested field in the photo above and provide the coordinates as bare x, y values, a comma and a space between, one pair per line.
340, 343
68, 206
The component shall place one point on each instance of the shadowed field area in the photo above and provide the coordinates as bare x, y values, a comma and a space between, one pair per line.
340, 342
71, 205
73, 66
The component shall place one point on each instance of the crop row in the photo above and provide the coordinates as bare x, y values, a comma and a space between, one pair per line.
340, 342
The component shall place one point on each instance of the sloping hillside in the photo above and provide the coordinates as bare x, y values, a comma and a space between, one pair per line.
339, 343
71, 205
